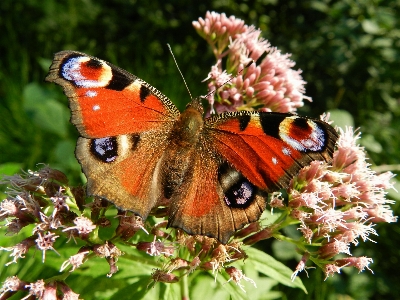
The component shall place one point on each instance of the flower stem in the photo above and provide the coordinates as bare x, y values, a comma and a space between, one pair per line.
184, 287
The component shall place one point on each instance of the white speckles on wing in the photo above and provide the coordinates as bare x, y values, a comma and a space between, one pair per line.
314, 142
91, 94
317, 138
286, 151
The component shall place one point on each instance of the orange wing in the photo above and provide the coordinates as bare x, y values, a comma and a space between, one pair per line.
106, 100
240, 157
270, 148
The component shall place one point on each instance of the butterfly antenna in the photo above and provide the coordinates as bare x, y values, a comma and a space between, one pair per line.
184, 81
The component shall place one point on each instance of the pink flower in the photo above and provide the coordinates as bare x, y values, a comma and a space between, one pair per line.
45, 242
107, 249
20, 249
162, 276
75, 261
237, 275
11, 285
301, 266
68, 294
331, 269
269, 84
129, 225
217, 29
50, 291
36, 289
358, 262
84, 226
60, 202
338, 204
155, 248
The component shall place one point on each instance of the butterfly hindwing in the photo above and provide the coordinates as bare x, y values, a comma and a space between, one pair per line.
124, 169
216, 200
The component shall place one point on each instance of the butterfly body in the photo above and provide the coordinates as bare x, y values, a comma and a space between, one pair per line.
138, 151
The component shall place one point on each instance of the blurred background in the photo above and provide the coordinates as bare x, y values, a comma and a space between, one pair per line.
349, 52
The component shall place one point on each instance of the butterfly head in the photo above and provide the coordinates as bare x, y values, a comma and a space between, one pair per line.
196, 104
190, 124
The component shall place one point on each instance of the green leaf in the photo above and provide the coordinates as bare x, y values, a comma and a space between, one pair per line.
341, 118
370, 26
284, 251
10, 168
270, 267
394, 193
203, 286
370, 143
235, 292
44, 111
169, 291
64, 155
137, 290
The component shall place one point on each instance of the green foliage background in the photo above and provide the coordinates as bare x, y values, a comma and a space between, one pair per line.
349, 52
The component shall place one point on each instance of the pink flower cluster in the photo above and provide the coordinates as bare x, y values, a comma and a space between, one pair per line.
38, 289
338, 204
55, 210
249, 73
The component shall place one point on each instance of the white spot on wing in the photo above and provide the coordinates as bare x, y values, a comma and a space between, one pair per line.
91, 94
286, 151
274, 160
96, 107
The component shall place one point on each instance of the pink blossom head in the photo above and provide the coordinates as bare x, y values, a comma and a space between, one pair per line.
256, 75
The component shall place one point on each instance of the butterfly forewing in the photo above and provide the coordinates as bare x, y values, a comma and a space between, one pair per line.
106, 100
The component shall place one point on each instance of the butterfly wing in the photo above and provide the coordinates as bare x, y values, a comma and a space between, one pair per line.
202, 204
124, 124
242, 156
106, 100
270, 148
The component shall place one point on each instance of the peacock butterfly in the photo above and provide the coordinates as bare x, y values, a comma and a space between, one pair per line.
138, 151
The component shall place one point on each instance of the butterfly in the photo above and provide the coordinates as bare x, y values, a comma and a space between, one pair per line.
138, 151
